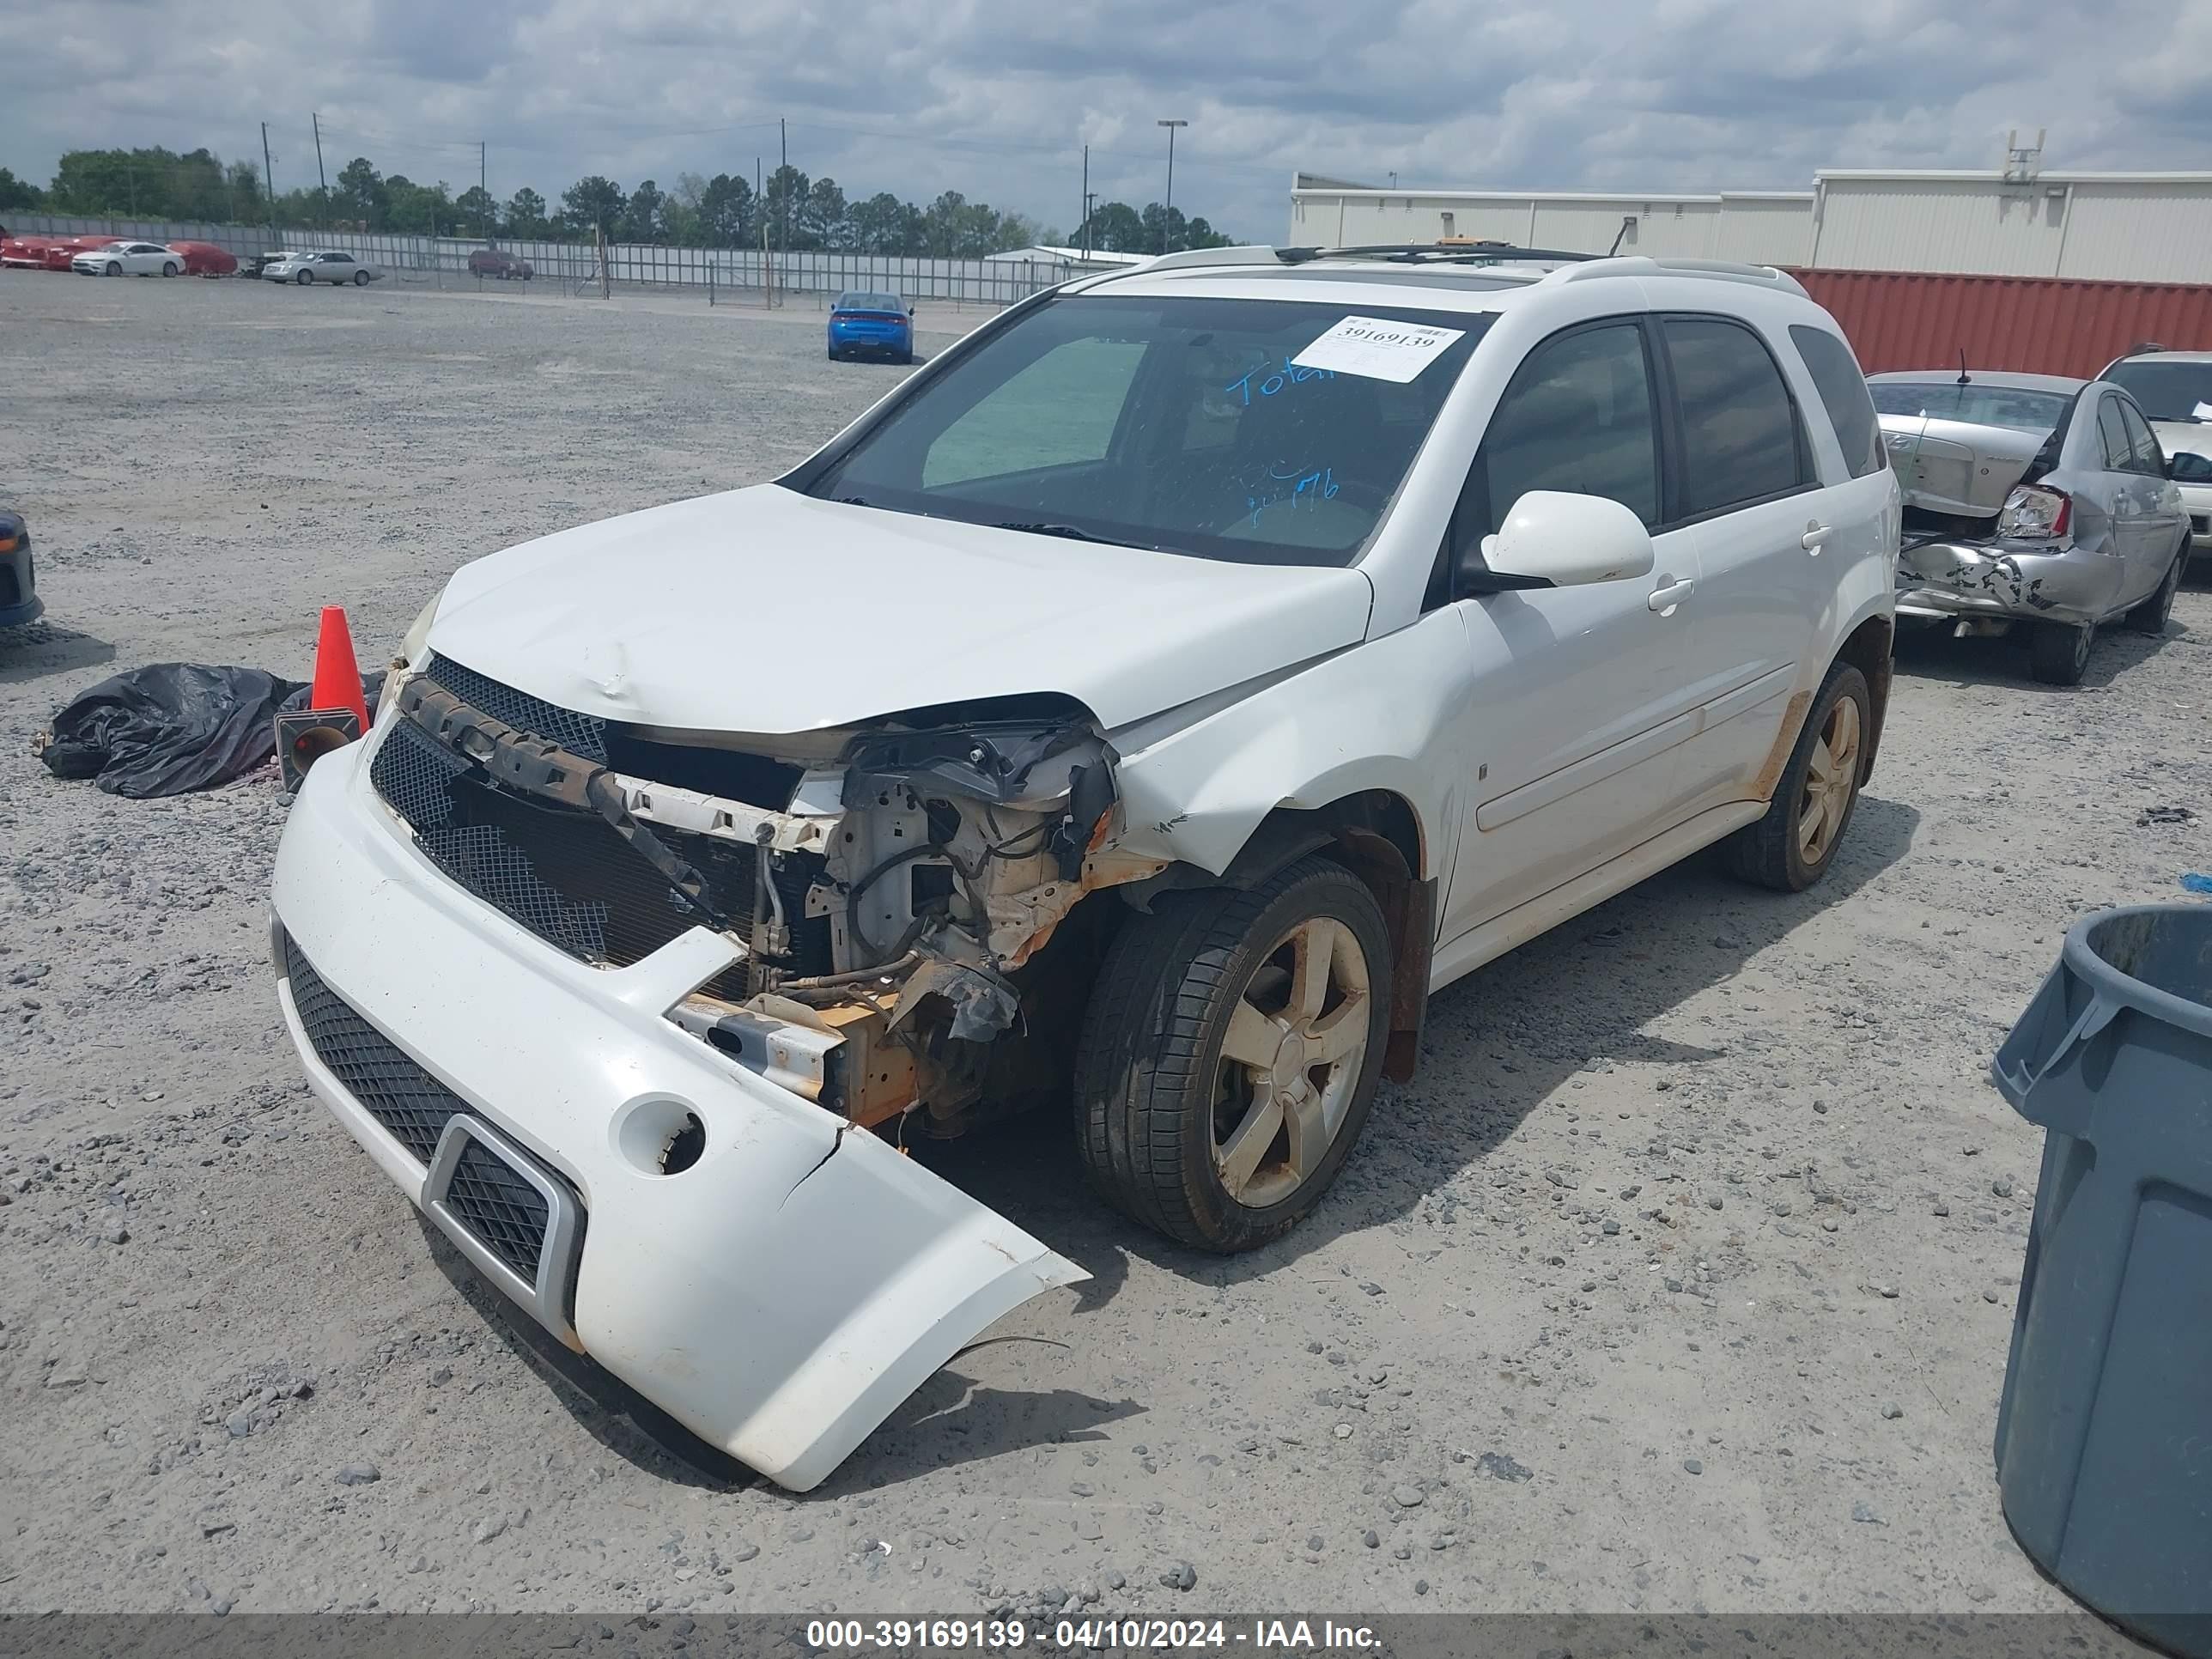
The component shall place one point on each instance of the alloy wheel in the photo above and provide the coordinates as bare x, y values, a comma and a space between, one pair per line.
1291, 1062
1830, 774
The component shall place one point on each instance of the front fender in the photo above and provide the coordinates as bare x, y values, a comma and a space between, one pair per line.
1197, 781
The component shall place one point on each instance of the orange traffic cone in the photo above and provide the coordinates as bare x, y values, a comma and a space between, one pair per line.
337, 676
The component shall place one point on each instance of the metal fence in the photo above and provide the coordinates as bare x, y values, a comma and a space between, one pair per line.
746, 275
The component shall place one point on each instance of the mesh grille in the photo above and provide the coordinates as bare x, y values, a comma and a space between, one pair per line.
500, 1208
580, 734
397, 1093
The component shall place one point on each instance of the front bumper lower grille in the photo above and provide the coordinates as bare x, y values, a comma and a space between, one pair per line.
520, 1224
412, 1105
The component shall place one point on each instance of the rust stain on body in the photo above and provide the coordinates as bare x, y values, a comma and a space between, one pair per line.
1769, 771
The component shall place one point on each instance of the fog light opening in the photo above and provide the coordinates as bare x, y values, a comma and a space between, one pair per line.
684, 1147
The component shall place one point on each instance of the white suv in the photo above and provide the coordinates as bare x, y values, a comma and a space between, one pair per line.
1148, 704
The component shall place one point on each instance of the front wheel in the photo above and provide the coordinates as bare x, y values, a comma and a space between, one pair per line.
2149, 616
1231, 1050
304, 278
112, 270
1792, 846
2058, 652
169, 267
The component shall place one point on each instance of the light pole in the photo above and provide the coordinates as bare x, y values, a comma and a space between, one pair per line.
1167, 207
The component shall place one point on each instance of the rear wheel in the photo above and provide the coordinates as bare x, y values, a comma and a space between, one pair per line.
1231, 1052
2149, 616
361, 279
2058, 652
1791, 848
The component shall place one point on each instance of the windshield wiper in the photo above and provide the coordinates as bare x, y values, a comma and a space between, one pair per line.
1073, 534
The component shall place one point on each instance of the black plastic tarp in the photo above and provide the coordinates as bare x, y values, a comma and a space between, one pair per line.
171, 728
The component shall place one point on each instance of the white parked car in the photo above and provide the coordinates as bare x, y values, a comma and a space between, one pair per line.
1149, 704
2174, 389
129, 259
321, 267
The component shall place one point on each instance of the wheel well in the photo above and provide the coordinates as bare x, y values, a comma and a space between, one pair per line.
1376, 836
1869, 650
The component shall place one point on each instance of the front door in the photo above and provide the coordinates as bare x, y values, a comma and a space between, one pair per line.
1577, 702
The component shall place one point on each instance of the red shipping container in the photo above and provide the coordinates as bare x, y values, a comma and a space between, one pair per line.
2034, 325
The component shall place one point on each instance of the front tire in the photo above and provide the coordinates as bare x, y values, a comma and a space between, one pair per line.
2149, 616
112, 270
169, 267
1231, 1050
2058, 652
1792, 846
304, 277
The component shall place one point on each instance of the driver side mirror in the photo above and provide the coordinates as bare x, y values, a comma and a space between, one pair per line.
1568, 540
2186, 466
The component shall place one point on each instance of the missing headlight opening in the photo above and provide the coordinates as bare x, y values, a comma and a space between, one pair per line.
892, 892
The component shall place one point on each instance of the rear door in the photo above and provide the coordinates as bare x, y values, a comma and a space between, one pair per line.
1750, 495
2162, 516
2119, 490
1579, 698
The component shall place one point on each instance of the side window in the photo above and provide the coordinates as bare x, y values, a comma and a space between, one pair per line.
1740, 437
1578, 417
2117, 457
2142, 442
1059, 410
1844, 394
338, 258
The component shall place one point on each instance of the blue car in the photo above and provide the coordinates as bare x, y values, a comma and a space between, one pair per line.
867, 324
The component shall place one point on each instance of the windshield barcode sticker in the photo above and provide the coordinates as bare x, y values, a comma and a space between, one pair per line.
1378, 349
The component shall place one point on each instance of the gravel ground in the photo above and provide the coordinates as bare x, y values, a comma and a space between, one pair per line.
1681, 1279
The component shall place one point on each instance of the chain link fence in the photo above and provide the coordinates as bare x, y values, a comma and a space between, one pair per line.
719, 276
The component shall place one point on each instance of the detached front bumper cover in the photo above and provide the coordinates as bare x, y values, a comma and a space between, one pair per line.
2016, 579
781, 1294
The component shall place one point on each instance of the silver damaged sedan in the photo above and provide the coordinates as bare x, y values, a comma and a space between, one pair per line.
2034, 502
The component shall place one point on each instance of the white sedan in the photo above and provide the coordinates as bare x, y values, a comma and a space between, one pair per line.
129, 259
325, 267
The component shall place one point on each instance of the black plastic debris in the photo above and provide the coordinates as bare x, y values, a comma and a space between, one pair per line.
171, 727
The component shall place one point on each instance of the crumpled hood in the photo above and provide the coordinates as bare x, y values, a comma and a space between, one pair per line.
763, 609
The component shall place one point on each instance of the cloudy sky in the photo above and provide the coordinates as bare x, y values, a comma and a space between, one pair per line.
995, 98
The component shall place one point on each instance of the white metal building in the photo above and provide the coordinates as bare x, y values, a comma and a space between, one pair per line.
2024, 222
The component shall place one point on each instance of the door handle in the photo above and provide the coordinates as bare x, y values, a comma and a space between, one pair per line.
1815, 537
1664, 599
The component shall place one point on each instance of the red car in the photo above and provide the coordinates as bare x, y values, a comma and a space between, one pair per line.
206, 259
497, 262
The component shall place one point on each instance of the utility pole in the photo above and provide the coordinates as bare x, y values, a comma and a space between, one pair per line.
269, 182
1167, 207
484, 184
1084, 237
1090, 197
323, 219
783, 206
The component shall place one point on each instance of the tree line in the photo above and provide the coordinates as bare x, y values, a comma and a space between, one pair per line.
791, 209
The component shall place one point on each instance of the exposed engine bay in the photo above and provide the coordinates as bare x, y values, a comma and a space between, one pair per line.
895, 890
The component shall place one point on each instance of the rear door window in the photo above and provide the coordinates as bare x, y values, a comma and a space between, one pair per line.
1844, 394
2114, 434
1740, 441
2143, 452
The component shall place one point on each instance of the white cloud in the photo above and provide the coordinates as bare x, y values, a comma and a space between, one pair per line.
995, 97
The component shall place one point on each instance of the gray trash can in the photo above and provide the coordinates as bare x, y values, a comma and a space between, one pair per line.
2104, 1442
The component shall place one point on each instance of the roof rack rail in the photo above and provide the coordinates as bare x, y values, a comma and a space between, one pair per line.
1642, 264
1246, 254
1454, 252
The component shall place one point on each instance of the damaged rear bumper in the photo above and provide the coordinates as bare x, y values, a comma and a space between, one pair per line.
2008, 580
779, 1296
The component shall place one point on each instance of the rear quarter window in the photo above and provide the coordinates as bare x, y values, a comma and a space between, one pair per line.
1844, 394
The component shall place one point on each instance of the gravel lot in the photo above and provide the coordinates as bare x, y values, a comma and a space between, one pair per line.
1681, 1279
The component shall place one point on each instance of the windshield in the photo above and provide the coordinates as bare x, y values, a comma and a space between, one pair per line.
2167, 392
870, 302
1182, 424
1978, 406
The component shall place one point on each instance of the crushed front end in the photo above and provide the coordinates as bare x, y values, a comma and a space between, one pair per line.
642, 1020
